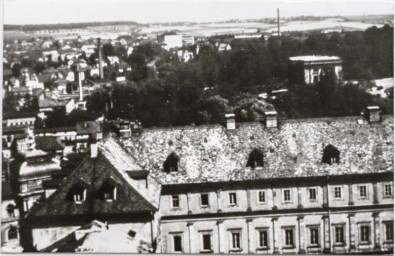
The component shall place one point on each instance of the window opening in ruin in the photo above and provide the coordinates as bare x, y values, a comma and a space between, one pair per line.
312, 194
289, 237
287, 195
204, 200
236, 237
175, 201
177, 240
171, 163
365, 234
12, 233
263, 238
261, 196
108, 191
77, 193
389, 231
338, 192
255, 159
331, 155
314, 236
339, 235
232, 198
11, 210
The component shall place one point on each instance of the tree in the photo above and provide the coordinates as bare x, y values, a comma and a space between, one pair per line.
16, 70
108, 50
39, 67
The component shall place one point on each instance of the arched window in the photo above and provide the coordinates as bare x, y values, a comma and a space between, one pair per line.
77, 193
12, 233
255, 159
108, 191
171, 163
331, 155
11, 210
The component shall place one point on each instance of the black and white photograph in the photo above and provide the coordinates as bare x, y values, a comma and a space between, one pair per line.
197, 126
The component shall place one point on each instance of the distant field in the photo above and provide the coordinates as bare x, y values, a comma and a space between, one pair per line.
16, 35
211, 29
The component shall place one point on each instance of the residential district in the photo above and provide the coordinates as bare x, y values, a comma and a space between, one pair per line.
316, 185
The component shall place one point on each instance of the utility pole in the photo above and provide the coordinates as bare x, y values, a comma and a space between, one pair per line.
278, 22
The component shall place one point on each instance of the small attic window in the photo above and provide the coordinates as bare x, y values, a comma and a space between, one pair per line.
171, 163
331, 155
255, 159
108, 191
77, 193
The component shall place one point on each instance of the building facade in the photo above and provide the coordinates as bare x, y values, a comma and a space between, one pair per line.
331, 214
314, 66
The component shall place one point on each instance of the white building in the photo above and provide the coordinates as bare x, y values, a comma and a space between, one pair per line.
315, 65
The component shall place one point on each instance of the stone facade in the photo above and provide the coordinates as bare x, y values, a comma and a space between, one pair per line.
309, 218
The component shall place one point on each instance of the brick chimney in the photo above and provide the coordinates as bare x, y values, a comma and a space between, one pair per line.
373, 114
230, 121
100, 58
271, 119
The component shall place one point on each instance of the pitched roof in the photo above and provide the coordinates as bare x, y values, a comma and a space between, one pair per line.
48, 144
134, 197
294, 149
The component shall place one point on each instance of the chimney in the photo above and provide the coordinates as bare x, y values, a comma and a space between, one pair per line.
93, 149
278, 22
80, 83
230, 121
100, 58
271, 119
373, 114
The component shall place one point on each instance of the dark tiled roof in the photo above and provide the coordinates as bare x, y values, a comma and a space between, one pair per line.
133, 197
88, 127
48, 144
211, 153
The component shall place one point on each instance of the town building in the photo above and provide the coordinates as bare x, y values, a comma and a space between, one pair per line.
107, 186
300, 186
320, 185
310, 68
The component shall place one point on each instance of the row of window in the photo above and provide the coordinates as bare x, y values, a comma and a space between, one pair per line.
107, 192
255, 159
287, 195
289, 238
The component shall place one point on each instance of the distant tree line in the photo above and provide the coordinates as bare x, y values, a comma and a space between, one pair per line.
65, 25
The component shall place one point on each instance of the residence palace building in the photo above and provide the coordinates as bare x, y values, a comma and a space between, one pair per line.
289, 186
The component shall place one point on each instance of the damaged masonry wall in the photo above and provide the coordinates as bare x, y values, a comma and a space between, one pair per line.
211, 153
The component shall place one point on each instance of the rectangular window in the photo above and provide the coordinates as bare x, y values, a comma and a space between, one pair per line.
177, 240
263, 238
204, 200
312, 194
236, 238
363, 191
175, 201
232, 198
365, 234
261, 197
389, 231
314, 236
339, 235
289, 237
287, 195
206, 240
387, 190
338, 192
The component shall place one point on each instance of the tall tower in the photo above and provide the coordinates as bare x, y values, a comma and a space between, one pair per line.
100, 58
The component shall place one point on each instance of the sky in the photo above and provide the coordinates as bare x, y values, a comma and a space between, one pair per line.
150, 11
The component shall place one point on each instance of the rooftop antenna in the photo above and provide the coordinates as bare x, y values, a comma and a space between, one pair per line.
278, 22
